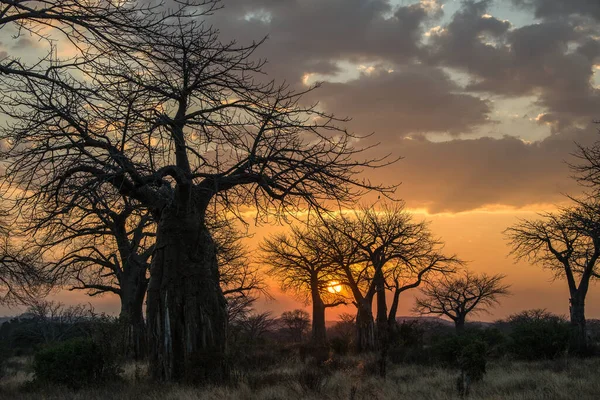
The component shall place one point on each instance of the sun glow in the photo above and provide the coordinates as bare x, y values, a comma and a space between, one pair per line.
334, 287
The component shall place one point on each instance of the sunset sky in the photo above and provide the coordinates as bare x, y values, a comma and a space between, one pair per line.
483, 100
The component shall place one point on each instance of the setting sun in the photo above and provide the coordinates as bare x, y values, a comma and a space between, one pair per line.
334, 287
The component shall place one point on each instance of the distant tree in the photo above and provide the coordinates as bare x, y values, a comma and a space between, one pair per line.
301, 265
53, 321
461, 295
568, 244
538, 334
295, 324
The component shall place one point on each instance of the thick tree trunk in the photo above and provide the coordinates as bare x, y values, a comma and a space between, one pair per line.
319, 330
459, 324
381, 303
392, 322
366, 340
578, 328
187, 317
133, 292
382, 323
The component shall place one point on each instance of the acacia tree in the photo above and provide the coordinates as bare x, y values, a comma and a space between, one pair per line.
181, 125
567, 243
458, 296
300, 264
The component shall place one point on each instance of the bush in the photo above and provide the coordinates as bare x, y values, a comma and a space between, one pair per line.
537, 334
75, 363
339, 345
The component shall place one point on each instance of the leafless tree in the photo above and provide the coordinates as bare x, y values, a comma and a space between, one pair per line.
181, 125
409, 273
53, 321
102, 245
458, 296
379, 248
568, 244
302, 266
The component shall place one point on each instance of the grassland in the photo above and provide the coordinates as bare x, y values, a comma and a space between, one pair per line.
349, 379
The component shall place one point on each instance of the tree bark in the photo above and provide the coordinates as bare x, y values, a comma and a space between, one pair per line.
365, 328
319, 330
459, 324
382, 323
392, 322
133, 292
578, 324
187, 317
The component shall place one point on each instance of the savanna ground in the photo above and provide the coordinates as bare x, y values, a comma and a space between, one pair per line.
351, 377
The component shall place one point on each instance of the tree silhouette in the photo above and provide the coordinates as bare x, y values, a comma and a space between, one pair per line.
458, 296
374, 249
567, 243
182, 124
300, 264
295, 323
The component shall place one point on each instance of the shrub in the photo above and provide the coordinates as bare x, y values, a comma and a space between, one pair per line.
339, 345
537, 334
75, 363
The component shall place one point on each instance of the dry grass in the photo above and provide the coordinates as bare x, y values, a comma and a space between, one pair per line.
350, 381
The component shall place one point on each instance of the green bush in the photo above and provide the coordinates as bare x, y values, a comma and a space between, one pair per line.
75, 363
537, 334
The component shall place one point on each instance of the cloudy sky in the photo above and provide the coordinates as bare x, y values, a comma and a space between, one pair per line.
484, 101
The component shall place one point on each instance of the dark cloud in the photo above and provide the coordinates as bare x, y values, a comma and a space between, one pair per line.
312, 35
561, 8
409, 99
553, 60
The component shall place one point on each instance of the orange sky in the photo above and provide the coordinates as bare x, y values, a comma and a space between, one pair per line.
483, 100
475, 236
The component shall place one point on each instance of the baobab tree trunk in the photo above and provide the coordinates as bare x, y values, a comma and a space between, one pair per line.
392, 323
382, 323
365, 328
459, 324
133, 292
187, 317
319, 330
578, 324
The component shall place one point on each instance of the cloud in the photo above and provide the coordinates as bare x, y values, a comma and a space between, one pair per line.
462, 175
553, 60
312, 36
561, 8
404, 100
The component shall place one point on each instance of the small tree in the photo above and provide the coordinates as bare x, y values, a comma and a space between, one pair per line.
295, 323
458, 296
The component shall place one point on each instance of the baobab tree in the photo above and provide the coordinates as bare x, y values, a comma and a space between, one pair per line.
372, 247
301, 266
184, 125
103, 244
568, 244
456, 297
